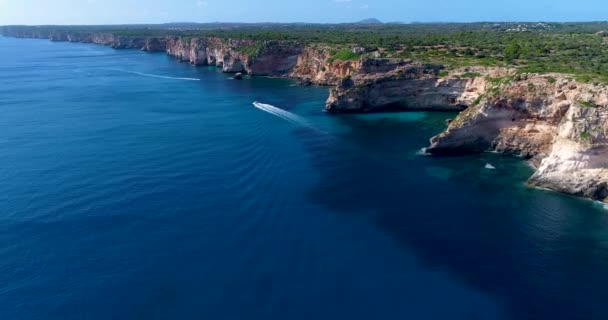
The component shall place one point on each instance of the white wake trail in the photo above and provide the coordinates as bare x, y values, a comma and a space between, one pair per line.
158, 76
265, 108
282, 114
289, 117
272, 112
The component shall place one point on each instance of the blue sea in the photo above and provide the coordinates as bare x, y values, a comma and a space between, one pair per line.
136, 187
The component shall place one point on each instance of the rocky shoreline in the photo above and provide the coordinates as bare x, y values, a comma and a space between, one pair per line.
368, 84
557, 123
561, 125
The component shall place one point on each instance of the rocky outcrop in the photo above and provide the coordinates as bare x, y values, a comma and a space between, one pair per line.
314, 66
187, 50
272, 58
261, 58
152, 44
578, 160
384, 84
559, 124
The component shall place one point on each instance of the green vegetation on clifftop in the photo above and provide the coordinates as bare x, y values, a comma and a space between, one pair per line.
344, 55
576, 48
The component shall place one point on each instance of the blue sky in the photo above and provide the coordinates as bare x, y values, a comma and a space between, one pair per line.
158, 11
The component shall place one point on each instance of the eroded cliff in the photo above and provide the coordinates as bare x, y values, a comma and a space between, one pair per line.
310, 64
561, 125
150, 43
260, 58
386, 84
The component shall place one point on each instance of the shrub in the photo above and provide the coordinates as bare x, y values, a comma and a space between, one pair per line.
471, 75
250, 50
587, 104
583, 78
344, 55
495, 81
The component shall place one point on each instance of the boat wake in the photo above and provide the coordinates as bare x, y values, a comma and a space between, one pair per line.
158, 76
286, 115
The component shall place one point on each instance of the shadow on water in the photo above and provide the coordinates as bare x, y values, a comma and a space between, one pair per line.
545, 255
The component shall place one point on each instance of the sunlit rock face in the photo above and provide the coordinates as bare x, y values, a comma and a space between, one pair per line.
561, 125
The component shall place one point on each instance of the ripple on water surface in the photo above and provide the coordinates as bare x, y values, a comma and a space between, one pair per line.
130, 196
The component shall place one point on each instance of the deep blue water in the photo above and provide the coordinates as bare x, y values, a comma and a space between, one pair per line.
127, 195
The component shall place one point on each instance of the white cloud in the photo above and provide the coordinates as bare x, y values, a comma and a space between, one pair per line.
202, 4
364, 7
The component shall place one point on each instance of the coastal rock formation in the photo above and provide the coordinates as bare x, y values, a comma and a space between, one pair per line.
187, 50
260, 58
264, 58
561, 125
382, 84
272, 58
314, 66
152, 44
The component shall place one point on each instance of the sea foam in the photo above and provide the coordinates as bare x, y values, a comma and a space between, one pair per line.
159, 76
291, 117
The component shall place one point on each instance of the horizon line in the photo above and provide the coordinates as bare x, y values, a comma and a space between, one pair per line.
361, 22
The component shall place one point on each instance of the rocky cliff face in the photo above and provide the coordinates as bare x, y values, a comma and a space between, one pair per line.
315, 67
380, 85
262, 58
308, 64
152, 44
561, 125
557, 123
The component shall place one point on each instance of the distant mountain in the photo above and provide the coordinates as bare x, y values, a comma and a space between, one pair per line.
369, 21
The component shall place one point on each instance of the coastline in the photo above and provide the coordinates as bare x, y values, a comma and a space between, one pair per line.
553, 121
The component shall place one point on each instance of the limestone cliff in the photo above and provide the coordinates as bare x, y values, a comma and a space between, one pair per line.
561, 125
557, 123
152, 44
314, 66
309, 64
384, 84
262, 58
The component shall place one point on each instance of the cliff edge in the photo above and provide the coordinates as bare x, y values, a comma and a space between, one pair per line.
559, 124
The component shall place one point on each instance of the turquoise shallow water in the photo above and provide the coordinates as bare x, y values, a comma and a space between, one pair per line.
134, 186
